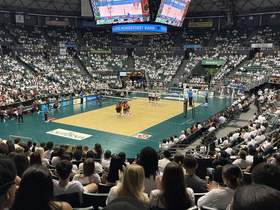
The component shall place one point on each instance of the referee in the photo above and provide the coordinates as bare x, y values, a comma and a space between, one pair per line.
190, 94
82, 98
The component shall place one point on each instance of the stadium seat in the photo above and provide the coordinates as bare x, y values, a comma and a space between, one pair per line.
73, 199
94, 200
104, 188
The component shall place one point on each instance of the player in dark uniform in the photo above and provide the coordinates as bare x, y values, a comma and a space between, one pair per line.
118, 109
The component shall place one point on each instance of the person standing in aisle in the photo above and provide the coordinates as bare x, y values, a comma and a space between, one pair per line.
206, 97
190, 93
20, 113
82, 98
46, 110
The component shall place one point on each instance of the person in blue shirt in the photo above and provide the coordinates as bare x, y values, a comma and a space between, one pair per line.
206, 97
82, 98
46, 110
190, 93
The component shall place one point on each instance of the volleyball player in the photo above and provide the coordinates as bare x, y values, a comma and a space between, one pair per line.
128, 110
153, 98
158, 98
118, 109
125, 106
150, 97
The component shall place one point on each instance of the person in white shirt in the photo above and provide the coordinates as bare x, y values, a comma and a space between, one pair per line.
64, 186
176, 140
242, 162
88, 176
164, 145
106, 159
261, 118
168, 196
220, 197
265, 146
163, 162
258, 138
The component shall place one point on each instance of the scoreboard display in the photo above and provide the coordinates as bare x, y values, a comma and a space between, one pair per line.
120, 11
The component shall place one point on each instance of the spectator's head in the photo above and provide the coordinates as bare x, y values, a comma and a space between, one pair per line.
173, 188
67, 148
107, 154
3, 148
97, 147
8, 174
65, 157
17, 140
43, 144
11, 148
80, 147
167, 154
267, 174
22, 163
224, 154
40, 150
257, 197
122, 156
78, 154
90, 154
35, 158
256, 161
49, 145
190, 162
252, 150
89, 167
74, 148
115, 166
36, 186
133, 183
60, 151
29, 143
178, 158
232, 176
148, 159
242, 154
63, 169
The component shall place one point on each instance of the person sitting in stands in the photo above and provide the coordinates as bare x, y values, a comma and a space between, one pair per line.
64, 186
132, 185
194, 182
36, 191
173, 192
220, 197
88, 176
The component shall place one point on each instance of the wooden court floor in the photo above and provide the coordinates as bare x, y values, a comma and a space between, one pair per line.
144, 116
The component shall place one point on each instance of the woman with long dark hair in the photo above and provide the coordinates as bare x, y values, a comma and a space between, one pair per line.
148, 159
36, 191
220, 197
114, 168
256, 161
173, 193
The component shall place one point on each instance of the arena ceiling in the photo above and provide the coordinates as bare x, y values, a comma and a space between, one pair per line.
195, 5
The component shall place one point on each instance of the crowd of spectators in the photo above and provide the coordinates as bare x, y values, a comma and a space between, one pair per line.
30, 37
197, 36
97, 39
62, 35
3, 37
230, 39
269, 34
129, 39
158, 69
162, 41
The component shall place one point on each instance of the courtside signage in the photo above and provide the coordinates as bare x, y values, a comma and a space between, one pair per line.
141, 136
69, 134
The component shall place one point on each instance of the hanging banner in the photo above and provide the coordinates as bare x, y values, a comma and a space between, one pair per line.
213, 62
200, 24
57, 23
19, 18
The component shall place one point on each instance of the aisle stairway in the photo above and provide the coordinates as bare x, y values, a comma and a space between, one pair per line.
45, 34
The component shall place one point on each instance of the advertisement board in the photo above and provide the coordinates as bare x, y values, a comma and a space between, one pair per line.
213, 62
200, 24
91, 98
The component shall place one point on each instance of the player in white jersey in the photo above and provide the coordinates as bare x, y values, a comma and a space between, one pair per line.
153, 98
158, 98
